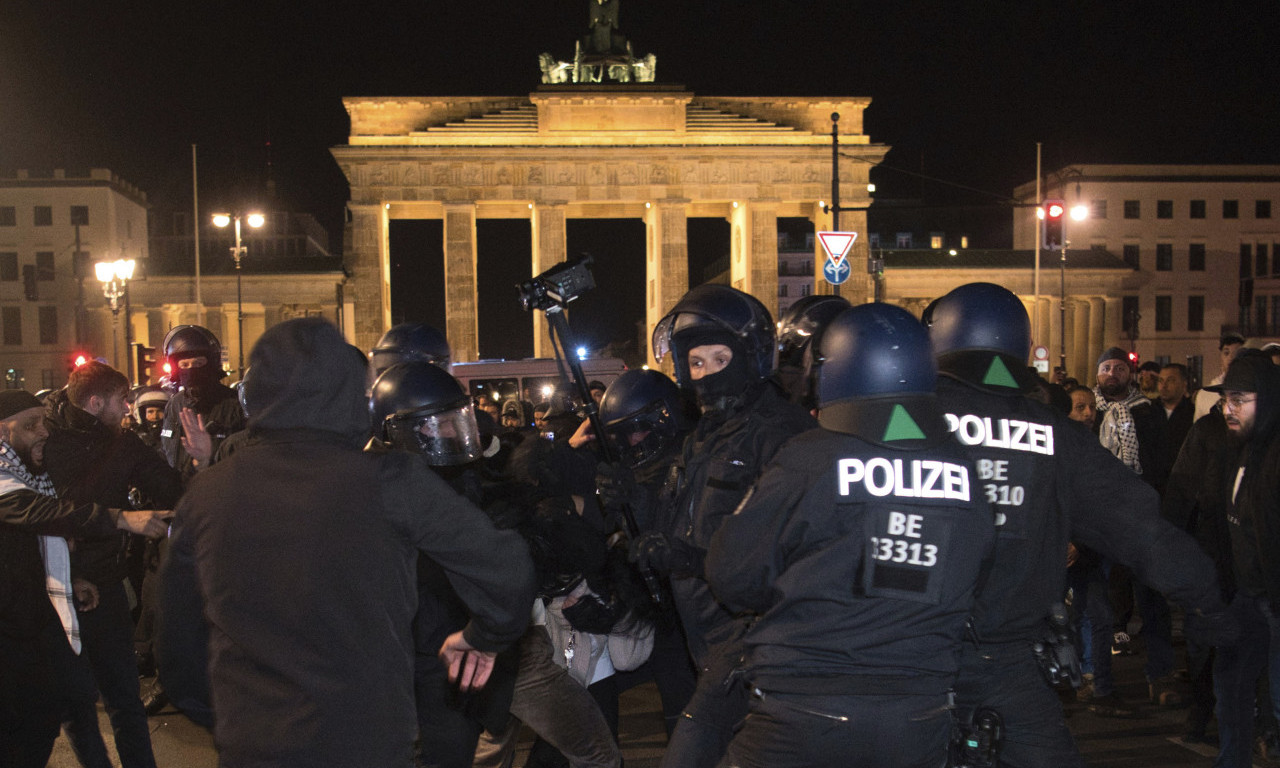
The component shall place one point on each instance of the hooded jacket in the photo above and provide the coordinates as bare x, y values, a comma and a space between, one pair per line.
1254, 505
301, 552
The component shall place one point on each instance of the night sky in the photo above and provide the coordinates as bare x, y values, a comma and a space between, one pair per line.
961, 90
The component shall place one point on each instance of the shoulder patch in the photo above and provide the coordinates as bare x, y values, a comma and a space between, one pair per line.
998, 375
901, 426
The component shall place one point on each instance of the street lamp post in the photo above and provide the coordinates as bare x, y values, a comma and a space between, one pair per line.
115, 277
254, 220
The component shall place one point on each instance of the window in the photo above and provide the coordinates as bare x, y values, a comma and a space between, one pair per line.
1197, 209
1132, 257
80, 215
1261, 260
1098, 209
935, 241
1261, 209
1164, 313
873, 240
1230, 209
9, 267
1132, 209
8, 216
805, 289
1164, 209
1128, 313
782, 290
1195, 313
43, 216
13, 378
11, 318
44, 266
1260, 313
904, 239
1164, 257
1246, 260
48, 317
1195, 257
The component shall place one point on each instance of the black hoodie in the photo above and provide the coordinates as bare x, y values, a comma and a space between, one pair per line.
300, 551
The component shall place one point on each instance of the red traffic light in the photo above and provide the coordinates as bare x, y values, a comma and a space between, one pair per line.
1133, 359
80, 359
1054, 209
1053, 212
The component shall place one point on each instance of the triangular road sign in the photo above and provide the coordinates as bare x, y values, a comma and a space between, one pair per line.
837, 244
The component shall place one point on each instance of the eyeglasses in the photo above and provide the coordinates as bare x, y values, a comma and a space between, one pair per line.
1235, 402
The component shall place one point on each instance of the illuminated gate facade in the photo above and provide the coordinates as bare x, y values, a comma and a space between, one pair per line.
651, 152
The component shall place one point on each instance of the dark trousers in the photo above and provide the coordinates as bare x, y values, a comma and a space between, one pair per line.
794, 731
447, 736
106, 633
1200, 670
1236, 671
717, 707
1006, 678
29, 704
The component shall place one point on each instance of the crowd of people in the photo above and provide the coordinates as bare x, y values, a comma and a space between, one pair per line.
852, 537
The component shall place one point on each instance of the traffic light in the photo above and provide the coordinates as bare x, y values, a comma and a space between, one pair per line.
77, 359
145, 363
1133, 359
1053, 212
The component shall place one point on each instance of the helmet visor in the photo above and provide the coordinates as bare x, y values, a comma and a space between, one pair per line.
446, 438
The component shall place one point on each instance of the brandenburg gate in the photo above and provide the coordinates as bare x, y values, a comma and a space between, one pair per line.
636, 150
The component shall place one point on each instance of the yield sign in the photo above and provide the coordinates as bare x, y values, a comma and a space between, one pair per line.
837, 245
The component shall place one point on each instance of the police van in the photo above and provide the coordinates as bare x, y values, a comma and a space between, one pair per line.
531, 381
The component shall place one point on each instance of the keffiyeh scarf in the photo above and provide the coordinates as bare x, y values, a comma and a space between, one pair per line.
1118, 432
54, 549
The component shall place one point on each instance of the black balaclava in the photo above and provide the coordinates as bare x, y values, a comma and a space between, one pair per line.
724, 389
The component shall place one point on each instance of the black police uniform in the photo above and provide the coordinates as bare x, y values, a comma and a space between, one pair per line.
862, 559
1050, 483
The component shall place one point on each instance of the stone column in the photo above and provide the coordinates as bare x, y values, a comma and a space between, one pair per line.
753, 258
369, 264
549, 248
1097, 328
666, 267
460, 291
1079, 340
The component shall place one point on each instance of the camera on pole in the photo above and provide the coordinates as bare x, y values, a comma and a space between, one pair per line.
549, 293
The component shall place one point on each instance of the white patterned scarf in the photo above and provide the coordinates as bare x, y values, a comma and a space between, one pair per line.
54, 549
1119, 433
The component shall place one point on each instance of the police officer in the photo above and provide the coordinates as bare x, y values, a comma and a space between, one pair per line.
721, 343
860, 547
798, 332
194, 358
1050, 482
411, 341
646, 417
419, 408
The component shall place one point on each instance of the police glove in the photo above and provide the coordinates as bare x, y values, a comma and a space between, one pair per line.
666, 555
1218, 628
616, 485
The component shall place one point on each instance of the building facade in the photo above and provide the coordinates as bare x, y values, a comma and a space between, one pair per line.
656, 153
52, 230
1204, 238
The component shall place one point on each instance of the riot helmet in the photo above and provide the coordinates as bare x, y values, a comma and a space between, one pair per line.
147, 398
643, 415
874, 376
718, 314
417, 407
799, 328
411, 341
981, 334
193, 356
979, 317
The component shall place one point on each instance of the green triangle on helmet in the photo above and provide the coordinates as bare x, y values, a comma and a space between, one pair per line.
901, 426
